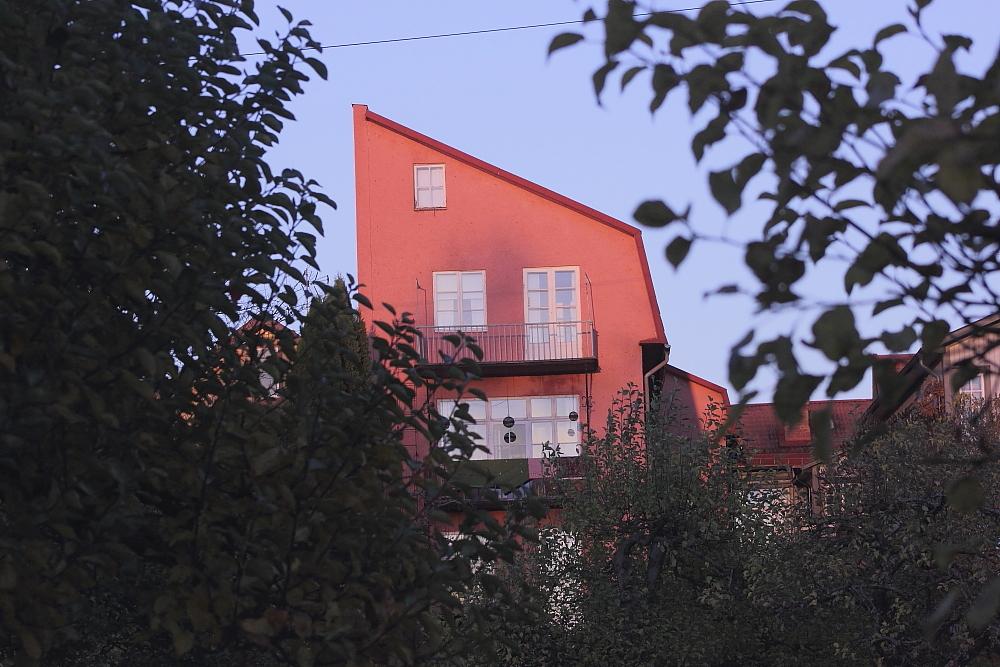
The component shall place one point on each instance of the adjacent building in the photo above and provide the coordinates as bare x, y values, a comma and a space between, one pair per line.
780, 456
925, 381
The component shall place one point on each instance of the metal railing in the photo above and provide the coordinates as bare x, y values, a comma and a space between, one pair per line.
518, 343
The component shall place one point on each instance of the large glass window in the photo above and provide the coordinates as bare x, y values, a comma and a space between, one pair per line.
460, 299
538, 421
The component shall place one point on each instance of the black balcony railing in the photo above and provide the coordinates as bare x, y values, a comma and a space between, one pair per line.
526, 349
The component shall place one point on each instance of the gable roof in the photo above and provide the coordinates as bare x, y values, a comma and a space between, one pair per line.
537, 190
922, 363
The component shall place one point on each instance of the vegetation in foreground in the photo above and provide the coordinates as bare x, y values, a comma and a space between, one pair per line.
668, 550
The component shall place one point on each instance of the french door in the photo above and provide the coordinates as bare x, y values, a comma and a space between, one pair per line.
552, 313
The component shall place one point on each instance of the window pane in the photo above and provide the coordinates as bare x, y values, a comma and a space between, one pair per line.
538, 299
446, 282
481, 431
437, 176
567, 432
472, 282
541, 432
541, 407
565, 405
424, 199
565, 297
538, 280
569, 449
447, 301
477, 409
518, 408
473, 318
539, 317
515, 407
508, 443
565, 278
423, 177
565, 314
436, 198
538, 335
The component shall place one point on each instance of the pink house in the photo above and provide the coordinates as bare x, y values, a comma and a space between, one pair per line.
558, 295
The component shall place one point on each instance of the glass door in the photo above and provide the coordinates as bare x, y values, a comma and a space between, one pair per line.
551, 299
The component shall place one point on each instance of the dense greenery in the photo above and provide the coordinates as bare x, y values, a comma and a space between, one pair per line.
887, 179
671, 550
335, 334
169, 491
889, 550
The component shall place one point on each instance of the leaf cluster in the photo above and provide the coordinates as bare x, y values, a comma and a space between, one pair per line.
898, 182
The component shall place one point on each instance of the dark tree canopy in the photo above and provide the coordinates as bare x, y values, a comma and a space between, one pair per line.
671, 549
157, 498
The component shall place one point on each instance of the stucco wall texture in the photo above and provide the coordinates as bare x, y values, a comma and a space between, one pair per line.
501, 224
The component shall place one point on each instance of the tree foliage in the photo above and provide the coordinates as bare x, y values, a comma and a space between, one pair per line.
672, 550
169, 490
647, 561
347, 362
897, 178
900, 546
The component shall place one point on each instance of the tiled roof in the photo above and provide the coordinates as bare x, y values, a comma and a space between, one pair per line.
763, 433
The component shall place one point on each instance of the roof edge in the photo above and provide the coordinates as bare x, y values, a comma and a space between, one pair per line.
541, 191
684, 375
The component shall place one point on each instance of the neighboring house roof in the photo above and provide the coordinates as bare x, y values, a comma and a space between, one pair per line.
540, 191
773, 443
694, 379
923, 363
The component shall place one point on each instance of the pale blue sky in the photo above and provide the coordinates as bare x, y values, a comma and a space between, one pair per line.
498, 97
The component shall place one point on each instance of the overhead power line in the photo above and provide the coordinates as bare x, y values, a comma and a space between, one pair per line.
484, 31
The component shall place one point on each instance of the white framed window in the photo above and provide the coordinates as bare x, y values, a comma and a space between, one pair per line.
552, 312
460, 300
538, 421
428, 186
973, 388
552, 294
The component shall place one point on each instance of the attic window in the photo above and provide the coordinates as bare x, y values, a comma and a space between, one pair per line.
428, 186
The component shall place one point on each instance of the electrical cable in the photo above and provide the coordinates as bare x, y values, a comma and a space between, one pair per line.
480, 32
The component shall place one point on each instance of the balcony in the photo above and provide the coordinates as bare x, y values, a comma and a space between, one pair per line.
551, 348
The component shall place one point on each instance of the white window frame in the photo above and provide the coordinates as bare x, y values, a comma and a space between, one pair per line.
461, 325
547, 339
976, 394
551, 270
430, 187
491, 428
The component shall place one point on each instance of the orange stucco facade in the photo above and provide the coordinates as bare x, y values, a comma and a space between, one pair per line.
507, 235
